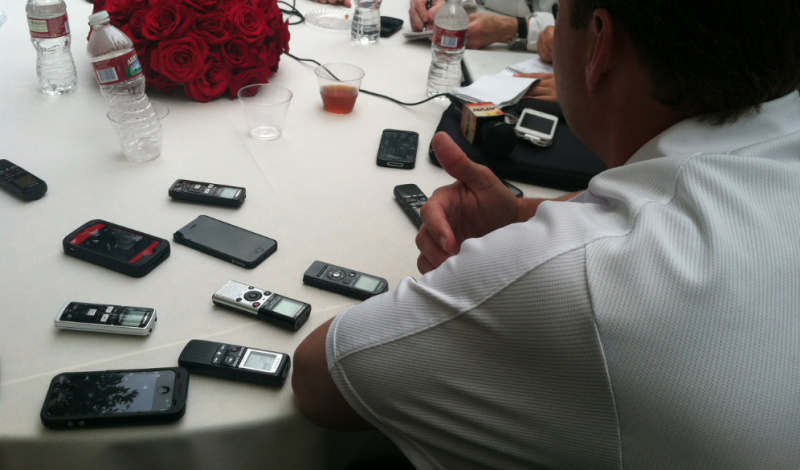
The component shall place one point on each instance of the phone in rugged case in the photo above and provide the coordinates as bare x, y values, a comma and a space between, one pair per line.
226, 242
233, 362
20, 182
411, 198
208, 193
390, 25
113, 397
115, 247
398, 149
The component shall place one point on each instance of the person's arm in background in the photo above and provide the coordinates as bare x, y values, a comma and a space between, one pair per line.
420, 17
335, 2
545, 44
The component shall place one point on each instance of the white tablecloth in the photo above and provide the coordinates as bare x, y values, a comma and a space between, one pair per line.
316, 190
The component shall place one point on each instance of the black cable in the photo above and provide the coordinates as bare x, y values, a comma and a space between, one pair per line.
293, 12
371, 92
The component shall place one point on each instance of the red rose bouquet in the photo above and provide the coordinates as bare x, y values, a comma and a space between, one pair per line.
209, 46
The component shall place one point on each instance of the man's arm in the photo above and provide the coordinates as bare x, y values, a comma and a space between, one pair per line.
334, 2
315, 392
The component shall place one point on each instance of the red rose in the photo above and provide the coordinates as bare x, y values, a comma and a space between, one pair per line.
237, 54
180, 60
201, 5
153, 78
120, 10
249, 77
167, 20
227, 5
136, 21
249, 23
213, 28
212, 82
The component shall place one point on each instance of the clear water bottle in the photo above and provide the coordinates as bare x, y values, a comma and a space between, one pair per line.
366, 22
49, 27
119, 74
447, 47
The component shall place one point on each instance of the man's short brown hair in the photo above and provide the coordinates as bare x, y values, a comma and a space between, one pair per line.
717, 59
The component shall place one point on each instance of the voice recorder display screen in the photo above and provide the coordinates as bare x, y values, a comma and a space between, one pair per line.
367, 283
228, 193
25, 181
260, 361
537, 123
287, 307
133, 317
116, 243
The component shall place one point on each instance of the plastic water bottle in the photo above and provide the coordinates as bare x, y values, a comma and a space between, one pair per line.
366, 22
49, 27
119, 74
447, 47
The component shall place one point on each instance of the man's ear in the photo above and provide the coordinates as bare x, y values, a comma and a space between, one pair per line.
601, 48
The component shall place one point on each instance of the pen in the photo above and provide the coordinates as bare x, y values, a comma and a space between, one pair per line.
427, 7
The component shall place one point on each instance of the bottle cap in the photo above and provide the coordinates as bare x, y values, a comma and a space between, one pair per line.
98, 18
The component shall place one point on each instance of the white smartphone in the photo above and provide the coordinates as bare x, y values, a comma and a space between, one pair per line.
536, 127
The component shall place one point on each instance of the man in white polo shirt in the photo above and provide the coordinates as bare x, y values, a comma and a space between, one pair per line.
653, 320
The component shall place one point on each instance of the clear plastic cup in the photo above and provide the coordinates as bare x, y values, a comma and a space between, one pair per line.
339, 85
265, 108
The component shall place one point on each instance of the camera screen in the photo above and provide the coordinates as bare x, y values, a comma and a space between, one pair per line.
114, 242
228, 193
96, 393
260, 361
538, 123
367, 283
287, 307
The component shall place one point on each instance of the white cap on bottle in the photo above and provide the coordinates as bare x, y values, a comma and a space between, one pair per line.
98, 18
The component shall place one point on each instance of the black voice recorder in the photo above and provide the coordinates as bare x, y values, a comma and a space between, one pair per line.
233, 362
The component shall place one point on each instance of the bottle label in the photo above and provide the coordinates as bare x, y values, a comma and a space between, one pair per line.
49, 28
448, 38
117, 69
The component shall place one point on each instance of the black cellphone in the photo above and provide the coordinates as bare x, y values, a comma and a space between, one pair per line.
344, 281
20, 182
208, 193
398, 149
113, 397
390, 26
262, 304
240, 363
514, 190
226, 242
115, 247
411, 198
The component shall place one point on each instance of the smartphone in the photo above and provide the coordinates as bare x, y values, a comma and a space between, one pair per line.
115, 247
114, 397
514, 190
233, 362
398, 149
226, 242
20, 182
390, 26
411, 198
104, 318
344, 281
208, 193
262, 304
536, 127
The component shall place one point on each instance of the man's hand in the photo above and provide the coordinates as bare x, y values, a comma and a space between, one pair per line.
544, 89
419, 14
545, 44
476, 204
485, 29
335, 2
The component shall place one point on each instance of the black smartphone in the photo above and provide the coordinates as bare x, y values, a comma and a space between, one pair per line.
411, 198
226, 242
20, 182
113, 397
344, 281
233, 362
514, 190
390, 26
208, 193
115, 247
398, 149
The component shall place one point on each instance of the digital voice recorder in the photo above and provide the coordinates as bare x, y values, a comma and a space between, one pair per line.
105, 318
262, 304
411, 198
235, 362
21, 183
208, 193
344, 281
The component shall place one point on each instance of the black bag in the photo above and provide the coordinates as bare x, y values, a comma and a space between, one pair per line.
567, 164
